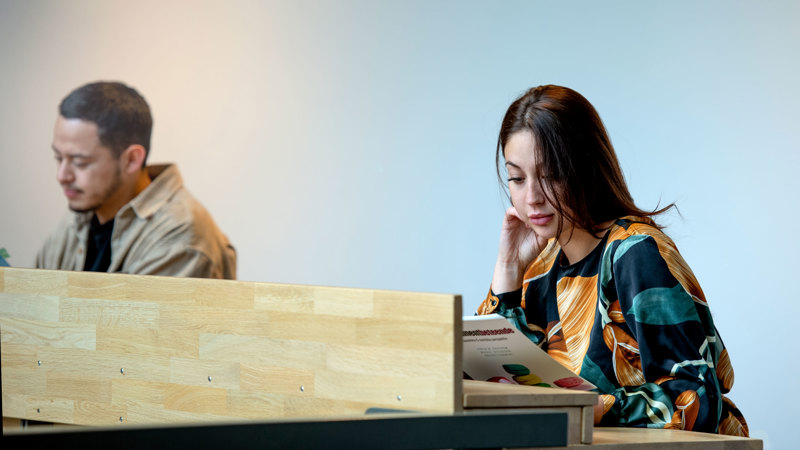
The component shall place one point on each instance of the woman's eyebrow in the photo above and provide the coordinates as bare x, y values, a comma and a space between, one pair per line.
509, 163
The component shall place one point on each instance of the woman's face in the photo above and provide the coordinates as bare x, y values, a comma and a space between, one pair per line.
526, 188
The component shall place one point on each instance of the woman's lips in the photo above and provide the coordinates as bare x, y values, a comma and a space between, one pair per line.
540, 219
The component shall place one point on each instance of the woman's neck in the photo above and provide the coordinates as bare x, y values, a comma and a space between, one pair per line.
577, 243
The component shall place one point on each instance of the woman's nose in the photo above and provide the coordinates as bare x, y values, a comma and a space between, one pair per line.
534, 195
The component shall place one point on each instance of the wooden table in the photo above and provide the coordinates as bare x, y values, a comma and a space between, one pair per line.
629, 438
120, 350
481, 395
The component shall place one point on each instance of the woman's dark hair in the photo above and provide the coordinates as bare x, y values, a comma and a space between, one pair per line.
120, 112
577, 163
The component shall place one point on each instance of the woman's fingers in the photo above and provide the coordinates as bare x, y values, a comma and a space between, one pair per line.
511, 211
519, 245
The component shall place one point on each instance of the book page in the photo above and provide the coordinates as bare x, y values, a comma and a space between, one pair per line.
495, 350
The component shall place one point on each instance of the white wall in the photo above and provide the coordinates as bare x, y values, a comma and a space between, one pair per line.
351, 143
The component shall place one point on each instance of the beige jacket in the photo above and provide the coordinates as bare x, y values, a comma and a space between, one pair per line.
162, 231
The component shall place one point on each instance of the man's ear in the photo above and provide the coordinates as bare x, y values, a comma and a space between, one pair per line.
132, 158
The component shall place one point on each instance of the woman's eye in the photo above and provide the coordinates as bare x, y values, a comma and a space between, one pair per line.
515, 180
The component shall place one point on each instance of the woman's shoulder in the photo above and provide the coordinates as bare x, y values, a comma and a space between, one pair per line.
640, 234
636, 228
637, 247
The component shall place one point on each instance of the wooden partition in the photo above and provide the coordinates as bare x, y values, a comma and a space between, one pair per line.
96, 348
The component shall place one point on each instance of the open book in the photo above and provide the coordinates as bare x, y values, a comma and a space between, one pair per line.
495, 350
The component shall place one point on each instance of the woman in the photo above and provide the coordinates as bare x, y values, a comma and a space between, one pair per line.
598, 284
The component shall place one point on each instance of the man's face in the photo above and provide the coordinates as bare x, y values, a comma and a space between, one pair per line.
88, 172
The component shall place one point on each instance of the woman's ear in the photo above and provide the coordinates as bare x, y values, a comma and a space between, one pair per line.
132, 158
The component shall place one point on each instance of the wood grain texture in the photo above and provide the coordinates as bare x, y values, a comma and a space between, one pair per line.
284, 297
27, 306
47, 334
273, 379
104, 364
41, 408
50, 282
97, 348
105, 313
587, 425
633, 438
148, 341
577, 404
484, 394
15, 356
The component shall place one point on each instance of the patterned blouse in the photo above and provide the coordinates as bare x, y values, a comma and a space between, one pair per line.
632, 319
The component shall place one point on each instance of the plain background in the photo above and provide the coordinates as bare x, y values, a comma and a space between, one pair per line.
351, 143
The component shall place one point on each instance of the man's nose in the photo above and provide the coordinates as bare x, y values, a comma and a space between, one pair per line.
64, 173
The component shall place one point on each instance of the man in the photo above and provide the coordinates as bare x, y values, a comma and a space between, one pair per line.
127, 217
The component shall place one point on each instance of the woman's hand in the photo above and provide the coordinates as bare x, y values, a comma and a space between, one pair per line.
598, 410
519, 245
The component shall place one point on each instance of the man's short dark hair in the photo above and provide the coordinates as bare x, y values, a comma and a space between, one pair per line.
121, 114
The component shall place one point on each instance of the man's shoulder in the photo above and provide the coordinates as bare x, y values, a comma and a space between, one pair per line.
69, 223
60, 246
167, 216
184, 219
167, 201
183, 208
180, 230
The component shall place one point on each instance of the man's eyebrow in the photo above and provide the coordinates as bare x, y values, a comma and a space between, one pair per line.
71, 155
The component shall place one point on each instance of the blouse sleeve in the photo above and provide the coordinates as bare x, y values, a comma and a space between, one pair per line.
499, 303
663, 341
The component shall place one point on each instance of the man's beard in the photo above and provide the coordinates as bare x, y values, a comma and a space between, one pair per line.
107, 194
